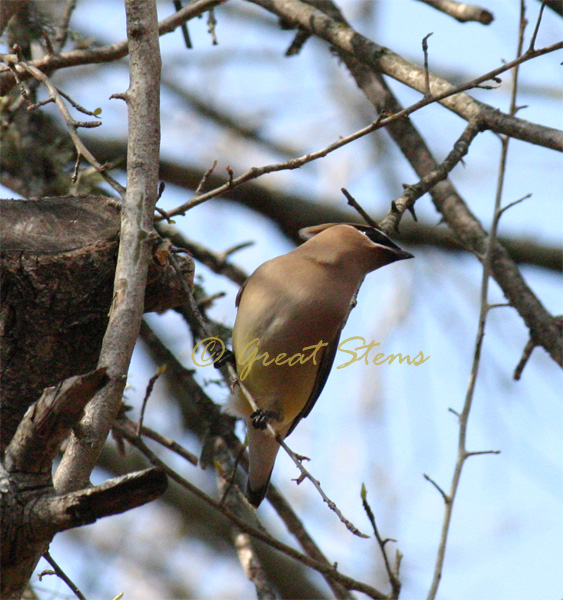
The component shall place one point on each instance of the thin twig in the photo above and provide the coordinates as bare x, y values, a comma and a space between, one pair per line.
354, 204
481, 452
73, 125
537, 28
413, 192
305, 473
391, 573
79, 107
170, 444
236, 248
427, 93
184, 26
445, 497
499, 305
330, 571
214, 261
74, 176
62, 575
511, 204
528, 349
204, 178
148, 392
296, 163
64, 26
230, 481
463, 453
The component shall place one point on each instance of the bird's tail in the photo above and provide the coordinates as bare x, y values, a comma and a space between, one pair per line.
263, 449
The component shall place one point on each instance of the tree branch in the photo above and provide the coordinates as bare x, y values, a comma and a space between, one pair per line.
112, 52
543, 328
330, 571
202, 416
291, 212
463, 417
462, 12
31, 513
110, 498
384, 60
413, 192
48, 421
143, 101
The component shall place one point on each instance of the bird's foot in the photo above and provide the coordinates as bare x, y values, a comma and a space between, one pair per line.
260, 418
227, 356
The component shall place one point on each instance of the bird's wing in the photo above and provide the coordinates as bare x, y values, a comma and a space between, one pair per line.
239, 294
322, 375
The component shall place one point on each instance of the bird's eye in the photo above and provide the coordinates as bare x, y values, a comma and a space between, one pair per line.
377, 237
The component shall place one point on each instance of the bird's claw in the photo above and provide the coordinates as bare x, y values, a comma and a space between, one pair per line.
227, 356
260, 418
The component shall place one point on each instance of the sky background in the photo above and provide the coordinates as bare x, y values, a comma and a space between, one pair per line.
383, 426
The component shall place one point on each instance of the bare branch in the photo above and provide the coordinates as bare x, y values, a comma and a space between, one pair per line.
111, 497
537, 28
210, 259
462, 12
143, 100
64, 25
185, 32
328, 570
481, 452
456, 212
166, 442
427, 92
204, 418
413, 192
487, 261
52, 62
384, 60
393, 575
380, 122
233, 499
73, 125
62, 575
251, 565
48, 421
292, 212
148, 393
354, 204
445, 496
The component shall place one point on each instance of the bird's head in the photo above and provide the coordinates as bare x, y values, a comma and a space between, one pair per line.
366, 244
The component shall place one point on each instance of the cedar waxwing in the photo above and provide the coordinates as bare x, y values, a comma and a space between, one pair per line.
291, 312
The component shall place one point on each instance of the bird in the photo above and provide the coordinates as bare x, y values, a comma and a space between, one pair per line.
290, 314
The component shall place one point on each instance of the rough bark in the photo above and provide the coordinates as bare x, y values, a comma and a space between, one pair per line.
58, 259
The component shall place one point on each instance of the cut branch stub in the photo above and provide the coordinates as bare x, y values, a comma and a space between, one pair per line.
58, 263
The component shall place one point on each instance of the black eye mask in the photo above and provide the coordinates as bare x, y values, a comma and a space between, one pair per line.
377, 237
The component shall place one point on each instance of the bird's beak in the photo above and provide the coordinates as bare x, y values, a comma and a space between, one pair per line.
403, 254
